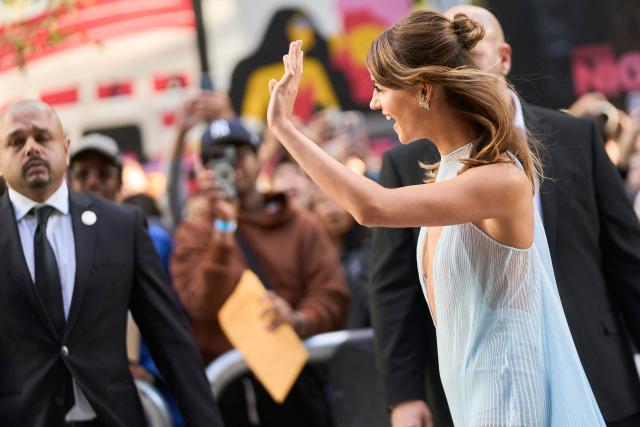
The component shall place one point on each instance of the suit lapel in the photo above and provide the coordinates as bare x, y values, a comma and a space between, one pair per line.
13, 255
84, 237
537, 125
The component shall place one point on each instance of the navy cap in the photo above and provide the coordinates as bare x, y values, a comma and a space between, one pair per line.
224, 131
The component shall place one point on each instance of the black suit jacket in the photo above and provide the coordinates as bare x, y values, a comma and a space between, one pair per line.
117, 270
594, 239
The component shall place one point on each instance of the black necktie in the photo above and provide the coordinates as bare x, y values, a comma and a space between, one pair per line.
47, 275
49, 288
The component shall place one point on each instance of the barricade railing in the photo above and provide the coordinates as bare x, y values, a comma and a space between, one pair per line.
356, 393
154, 406
321, 348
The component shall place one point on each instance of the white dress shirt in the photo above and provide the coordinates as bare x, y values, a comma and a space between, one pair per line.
519, 121
60, 236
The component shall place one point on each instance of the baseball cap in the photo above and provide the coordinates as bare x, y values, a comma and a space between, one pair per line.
222, 131
98, 143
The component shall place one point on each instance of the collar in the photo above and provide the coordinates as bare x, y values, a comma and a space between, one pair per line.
22, 204
518, 116
277, 211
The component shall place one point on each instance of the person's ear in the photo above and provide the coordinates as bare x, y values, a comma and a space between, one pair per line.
425, 91
67, 143
505, 59
425, 94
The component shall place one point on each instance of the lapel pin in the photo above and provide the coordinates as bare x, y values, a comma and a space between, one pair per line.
89, 218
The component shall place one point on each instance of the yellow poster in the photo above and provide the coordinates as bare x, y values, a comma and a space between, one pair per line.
275, 357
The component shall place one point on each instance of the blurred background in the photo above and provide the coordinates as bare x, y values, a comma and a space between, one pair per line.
123, 68
155, 74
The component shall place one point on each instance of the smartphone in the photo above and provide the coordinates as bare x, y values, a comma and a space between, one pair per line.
223, 163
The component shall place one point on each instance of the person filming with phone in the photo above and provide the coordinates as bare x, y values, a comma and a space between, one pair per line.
286, 248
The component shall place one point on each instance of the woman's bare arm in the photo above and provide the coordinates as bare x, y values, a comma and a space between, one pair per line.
492, 191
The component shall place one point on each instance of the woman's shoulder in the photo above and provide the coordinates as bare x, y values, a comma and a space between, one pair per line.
504, 177
505, 169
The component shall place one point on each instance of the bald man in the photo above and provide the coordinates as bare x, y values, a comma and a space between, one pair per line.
594, 239
71, 266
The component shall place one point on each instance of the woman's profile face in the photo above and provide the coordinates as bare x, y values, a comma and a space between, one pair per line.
401, 106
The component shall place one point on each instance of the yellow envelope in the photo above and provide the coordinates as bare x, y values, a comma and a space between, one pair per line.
276, 358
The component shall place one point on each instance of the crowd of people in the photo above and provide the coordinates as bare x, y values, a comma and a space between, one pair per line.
317, 241
292, 217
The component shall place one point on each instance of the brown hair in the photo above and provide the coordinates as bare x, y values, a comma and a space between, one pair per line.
426, 47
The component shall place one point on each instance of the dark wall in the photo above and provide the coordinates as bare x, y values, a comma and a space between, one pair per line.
557, 43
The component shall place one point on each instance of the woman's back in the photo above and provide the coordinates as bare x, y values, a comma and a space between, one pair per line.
505, 351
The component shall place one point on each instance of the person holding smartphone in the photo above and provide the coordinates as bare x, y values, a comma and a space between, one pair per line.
291, 254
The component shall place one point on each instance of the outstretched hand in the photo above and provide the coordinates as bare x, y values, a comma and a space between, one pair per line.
284, 91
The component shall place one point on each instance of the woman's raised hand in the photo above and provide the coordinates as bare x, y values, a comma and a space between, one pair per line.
284, 91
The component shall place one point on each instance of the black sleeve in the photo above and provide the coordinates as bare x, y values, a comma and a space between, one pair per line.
174, 190
166, 331
399, 313
619, 237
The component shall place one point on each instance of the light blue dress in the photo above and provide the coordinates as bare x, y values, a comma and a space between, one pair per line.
505, 351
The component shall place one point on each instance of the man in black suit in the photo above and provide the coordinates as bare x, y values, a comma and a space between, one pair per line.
594, 239
71, 266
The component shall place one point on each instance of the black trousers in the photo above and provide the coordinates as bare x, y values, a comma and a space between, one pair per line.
245, 403
630, 421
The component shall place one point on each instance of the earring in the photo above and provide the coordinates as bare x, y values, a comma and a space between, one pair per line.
423, 103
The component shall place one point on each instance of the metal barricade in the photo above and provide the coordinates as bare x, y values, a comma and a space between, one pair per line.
356, 393
155, 408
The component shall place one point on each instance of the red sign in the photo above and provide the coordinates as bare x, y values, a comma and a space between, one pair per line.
595, 68
109, 90
60, 97
165, 82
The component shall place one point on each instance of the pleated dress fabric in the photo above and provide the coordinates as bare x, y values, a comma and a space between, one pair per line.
506, 355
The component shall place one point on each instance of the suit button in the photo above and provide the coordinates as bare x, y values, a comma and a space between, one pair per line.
58, 401
64, 350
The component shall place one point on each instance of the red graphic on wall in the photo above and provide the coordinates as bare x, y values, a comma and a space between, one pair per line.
596, 68
64, 96
363, 26
113, 89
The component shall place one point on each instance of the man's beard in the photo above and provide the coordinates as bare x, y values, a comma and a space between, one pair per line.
38, 181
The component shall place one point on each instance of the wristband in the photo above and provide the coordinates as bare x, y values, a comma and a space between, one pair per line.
225, 226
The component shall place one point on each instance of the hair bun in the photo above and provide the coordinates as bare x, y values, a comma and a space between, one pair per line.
469, 32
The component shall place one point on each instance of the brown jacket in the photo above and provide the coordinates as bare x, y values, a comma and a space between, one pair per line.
294, 253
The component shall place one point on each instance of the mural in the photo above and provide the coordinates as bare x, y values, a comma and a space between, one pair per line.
335, 75
362, 22
249, 85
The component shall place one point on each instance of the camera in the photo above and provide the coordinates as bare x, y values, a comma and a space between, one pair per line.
223, 163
